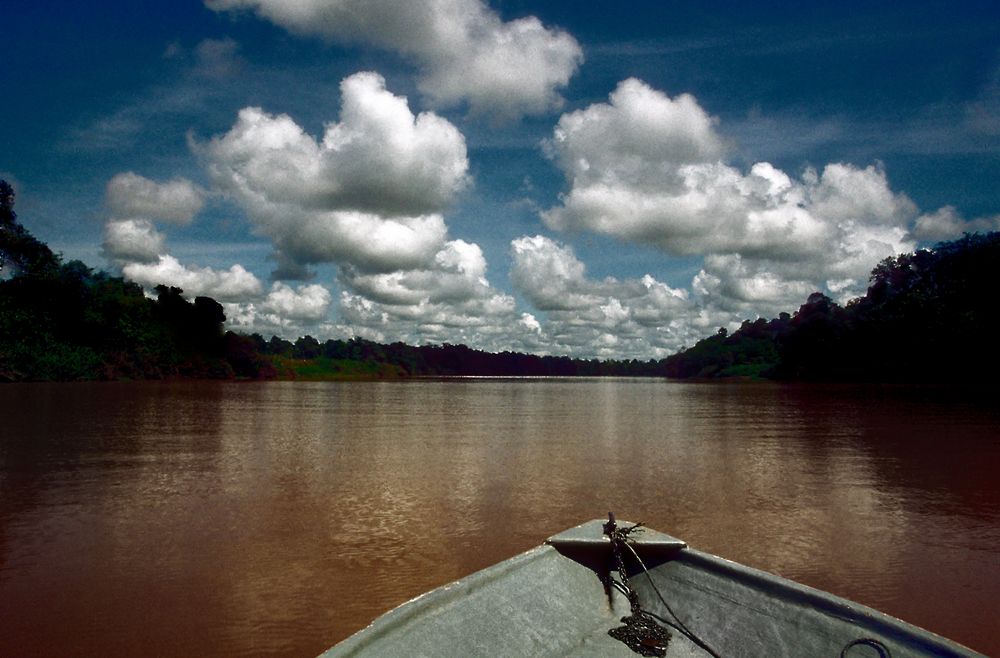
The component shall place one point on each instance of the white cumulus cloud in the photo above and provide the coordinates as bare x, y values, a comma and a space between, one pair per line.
133, 243
306, 302
464, 50
457, 274
132, 240
368, 194
232, 285
129, 195
649, 168
550, 275
948, 224
450, 300
746, 288
610, 317
284, 311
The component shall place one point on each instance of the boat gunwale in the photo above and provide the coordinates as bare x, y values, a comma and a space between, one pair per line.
792, 591
826, 602
405, 612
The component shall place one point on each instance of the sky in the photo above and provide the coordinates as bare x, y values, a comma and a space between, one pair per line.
596, 179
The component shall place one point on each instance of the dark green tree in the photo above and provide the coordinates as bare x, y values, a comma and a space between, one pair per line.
21, 252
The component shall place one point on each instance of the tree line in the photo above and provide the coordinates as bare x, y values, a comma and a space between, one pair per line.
928, 316
449, 360
64, 321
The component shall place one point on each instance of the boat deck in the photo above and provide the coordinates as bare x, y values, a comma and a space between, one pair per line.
554, 601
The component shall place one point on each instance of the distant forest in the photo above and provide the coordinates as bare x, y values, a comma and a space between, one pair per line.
928, 316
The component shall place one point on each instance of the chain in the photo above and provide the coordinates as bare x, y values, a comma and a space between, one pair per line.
640, 631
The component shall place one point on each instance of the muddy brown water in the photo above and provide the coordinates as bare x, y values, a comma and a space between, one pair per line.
228, 519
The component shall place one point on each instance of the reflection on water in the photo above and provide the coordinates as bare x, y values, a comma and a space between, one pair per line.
228, 519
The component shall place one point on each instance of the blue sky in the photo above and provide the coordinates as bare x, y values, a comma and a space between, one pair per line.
586, 178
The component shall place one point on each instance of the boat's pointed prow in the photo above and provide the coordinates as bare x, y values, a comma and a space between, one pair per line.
588, 544
590, 536
581, 594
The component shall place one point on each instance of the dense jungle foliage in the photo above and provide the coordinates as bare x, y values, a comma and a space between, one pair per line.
63, 321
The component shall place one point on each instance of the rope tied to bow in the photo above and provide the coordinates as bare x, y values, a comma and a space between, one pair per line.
642, 630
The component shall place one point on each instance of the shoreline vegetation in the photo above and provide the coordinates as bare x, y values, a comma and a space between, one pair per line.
928, 317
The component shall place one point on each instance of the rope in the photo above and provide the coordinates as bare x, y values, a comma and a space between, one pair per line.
640, 632
683, 628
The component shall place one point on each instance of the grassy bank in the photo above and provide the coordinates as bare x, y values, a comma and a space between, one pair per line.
322, 369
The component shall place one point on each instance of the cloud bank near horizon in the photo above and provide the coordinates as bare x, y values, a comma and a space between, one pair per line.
651, 169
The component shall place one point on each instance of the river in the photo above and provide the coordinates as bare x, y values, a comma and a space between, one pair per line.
227, 519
